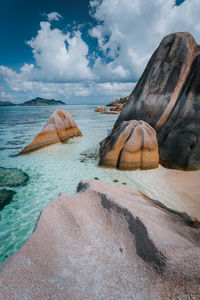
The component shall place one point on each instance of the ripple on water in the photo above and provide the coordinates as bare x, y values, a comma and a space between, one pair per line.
58, 168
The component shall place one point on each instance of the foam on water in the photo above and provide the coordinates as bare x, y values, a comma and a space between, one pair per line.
58, 168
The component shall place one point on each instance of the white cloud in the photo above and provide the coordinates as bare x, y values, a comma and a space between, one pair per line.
59, 57
130, 31
127, 31
5, 96
53, 16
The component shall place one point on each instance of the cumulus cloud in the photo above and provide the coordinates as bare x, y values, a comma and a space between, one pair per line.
5, 96
127, 32
59, 56
130, 30
53, 16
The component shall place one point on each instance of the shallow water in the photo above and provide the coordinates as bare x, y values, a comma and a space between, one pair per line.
60, 167
56, 168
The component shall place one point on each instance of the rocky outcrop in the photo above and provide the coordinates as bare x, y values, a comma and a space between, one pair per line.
105, 242
100, 109
59, 128
12, 177
118, 107
131, 145
117, 101
167, 96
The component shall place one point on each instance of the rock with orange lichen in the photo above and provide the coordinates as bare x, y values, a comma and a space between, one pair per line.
100, 109
60, 127
118, 107
132, 145
106, 242
167, 96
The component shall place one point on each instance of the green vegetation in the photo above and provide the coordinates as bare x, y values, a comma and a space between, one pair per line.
41, 101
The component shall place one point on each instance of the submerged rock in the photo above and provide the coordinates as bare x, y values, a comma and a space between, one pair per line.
131, 145
167, 96
6, 197
12, 177
60, 127
105, 242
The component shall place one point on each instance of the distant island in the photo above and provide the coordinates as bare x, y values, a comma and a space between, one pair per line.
6, 103
41, 101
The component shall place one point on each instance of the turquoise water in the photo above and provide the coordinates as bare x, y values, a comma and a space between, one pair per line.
53, 169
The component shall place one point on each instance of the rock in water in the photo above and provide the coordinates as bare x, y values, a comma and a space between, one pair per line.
167, 96
59, 128
6, 197
12, 177
100, 109
131, 145
105, 242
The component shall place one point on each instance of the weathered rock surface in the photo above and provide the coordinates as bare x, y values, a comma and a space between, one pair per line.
131, 145
6, 197
12, 177
59, 128
118, 107
105, 242
167, 96
100, 109
117, 101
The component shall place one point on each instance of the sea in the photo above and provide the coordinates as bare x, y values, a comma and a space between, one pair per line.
54, 169
60, 167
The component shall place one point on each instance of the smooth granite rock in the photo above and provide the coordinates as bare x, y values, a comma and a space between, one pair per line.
167, 96
131, 145
12, 177
105, 242
60, 127
6, 197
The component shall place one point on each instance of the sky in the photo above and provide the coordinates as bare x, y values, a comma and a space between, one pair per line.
84, 51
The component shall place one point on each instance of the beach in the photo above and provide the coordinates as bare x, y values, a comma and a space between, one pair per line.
61, 167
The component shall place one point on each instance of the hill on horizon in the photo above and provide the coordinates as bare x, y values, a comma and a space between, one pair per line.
41, 101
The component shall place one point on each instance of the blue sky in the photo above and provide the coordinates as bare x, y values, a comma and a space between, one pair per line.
84, 51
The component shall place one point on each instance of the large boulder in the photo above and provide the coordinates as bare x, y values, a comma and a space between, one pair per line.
60, 127
131, 145
106, 242
167, 96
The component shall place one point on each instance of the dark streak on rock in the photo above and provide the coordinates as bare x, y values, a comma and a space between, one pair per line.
82, 187
145, 247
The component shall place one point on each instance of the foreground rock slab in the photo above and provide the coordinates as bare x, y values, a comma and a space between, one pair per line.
167, 96
105, 242
12, 177
131, 145
60, 127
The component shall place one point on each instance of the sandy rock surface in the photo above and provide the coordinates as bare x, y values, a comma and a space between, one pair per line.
167, 96
60, 127
105, 242
131, 145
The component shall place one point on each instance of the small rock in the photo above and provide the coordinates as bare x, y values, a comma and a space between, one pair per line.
115, 180
12, 177
100, 109
96, 178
